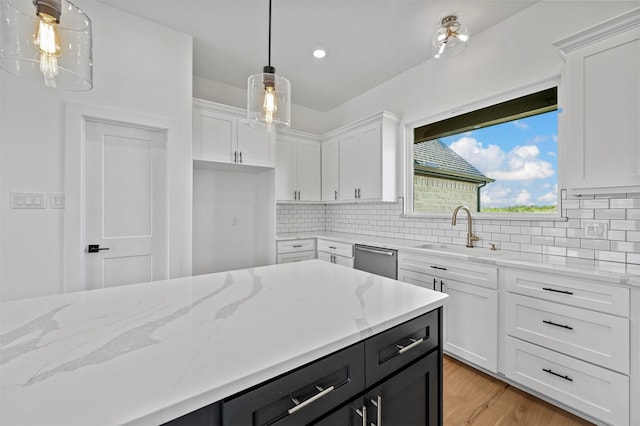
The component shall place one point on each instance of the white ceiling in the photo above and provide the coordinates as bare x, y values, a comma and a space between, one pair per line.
367, 41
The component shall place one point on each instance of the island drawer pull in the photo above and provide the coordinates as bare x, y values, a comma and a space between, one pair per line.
363, 413
378, 404
403, 349
441, 268
333, 247
557, 325
297, 245
557, 291
301, 405
548, 370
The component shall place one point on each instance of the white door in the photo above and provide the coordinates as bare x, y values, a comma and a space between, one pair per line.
125, 205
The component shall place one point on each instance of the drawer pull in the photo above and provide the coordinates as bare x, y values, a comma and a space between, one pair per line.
333, 247
297, 245
403, 349
441, 268
301, 405
363, 413
378, 404
557, 325
557, 291
547, 370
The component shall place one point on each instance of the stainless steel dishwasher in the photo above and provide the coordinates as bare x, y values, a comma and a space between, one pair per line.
377, 260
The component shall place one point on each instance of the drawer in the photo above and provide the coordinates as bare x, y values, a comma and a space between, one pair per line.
291, 246
393, 349
592, 336
341, 249
317, 388
595, 391
296, 257
569, 291
334, 258
466, 272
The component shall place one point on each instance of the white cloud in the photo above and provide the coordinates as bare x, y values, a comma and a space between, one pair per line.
523, 198
539, 139
550, 197
484, 159
520, 125
521, 163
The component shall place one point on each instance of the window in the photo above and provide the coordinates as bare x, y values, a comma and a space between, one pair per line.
498, 159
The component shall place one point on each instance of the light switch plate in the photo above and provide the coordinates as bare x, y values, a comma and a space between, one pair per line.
56, 200
27, 200
595, 229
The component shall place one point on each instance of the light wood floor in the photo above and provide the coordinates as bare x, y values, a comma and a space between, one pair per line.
474, 398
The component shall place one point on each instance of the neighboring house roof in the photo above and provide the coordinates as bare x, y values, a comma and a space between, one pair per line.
435, 158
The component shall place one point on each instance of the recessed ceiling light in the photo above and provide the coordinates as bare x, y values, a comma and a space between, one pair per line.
319, 53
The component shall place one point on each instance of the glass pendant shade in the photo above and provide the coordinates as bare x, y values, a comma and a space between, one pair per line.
269, 99
451, 39
46, 41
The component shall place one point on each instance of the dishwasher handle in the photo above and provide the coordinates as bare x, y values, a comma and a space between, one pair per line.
376, 251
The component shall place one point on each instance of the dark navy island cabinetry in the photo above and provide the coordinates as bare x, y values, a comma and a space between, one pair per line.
391, 378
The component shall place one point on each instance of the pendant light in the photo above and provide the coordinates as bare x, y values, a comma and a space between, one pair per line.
46, 41
451, 38
269, 95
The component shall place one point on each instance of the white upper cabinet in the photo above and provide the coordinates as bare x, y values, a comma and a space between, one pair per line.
298, 168
222, 134
599, 129
330, 169
367, 159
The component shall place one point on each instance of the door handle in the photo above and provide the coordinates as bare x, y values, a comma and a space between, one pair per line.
95, 248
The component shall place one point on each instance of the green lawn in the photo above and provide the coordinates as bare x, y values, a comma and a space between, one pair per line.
520, 209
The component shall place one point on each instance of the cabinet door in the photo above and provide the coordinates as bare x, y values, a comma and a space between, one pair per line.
255, 145
349, 166
330, 170
603, 106
214, 136
470, 323
410, 397
286, 169
308, 170
370, 158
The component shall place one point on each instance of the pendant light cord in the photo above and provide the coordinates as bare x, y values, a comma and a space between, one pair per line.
269, 33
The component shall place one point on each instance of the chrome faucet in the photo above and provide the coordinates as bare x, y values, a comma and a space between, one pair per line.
470, 237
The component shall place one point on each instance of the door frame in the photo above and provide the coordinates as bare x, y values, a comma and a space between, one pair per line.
76, 117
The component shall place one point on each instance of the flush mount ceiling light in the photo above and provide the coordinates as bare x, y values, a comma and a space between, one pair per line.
46, 41
319, 53
269, 95
450, 39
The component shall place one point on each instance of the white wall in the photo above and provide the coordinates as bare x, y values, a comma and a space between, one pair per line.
139, 67
511, 55
233, 218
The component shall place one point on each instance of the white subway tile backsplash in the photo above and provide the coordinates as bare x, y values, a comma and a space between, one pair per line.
621, 213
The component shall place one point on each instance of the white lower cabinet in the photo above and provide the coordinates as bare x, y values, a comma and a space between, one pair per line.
470, 318
593, 390
296, 250
568, 339
336, 252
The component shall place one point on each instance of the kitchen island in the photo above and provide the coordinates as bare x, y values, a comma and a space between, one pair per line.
153, 352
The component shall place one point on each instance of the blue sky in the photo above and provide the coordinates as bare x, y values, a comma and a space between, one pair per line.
521, 155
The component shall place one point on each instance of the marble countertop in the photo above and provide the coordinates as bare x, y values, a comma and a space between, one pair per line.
144, 354
612, 272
